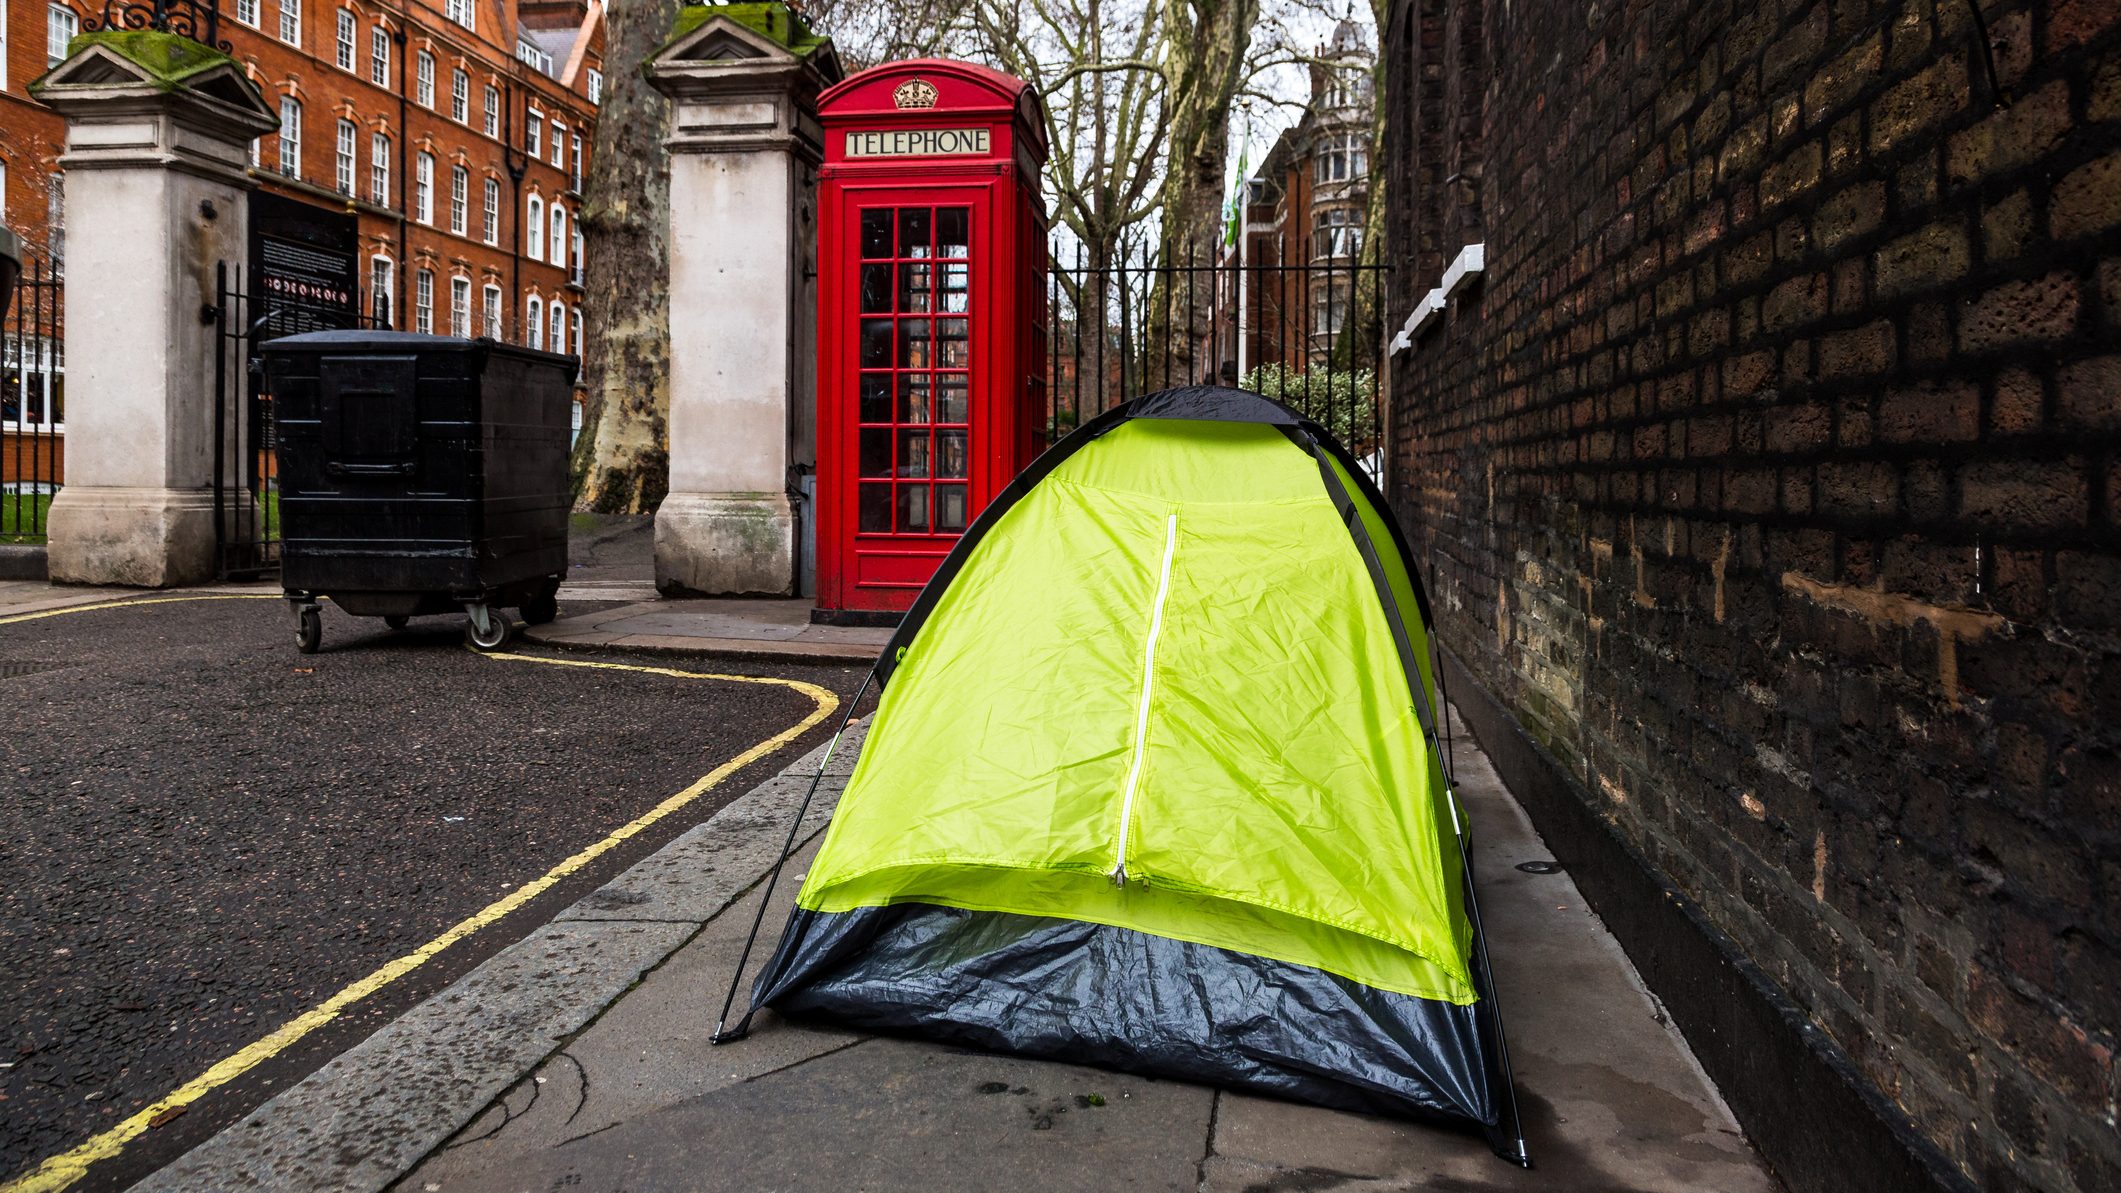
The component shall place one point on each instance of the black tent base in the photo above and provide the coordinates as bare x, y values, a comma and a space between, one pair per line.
1121, 999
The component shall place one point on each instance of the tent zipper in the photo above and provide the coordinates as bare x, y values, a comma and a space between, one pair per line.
1141, 709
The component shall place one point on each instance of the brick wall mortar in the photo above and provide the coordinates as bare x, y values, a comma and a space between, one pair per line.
1769, 479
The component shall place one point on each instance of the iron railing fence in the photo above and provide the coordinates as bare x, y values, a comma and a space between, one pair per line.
1303, 332
246, 482
32, 400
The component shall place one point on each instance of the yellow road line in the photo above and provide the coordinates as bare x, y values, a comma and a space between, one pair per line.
129, 602
64, 1169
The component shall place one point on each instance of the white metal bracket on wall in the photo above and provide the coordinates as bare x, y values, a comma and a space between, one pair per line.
1470, 260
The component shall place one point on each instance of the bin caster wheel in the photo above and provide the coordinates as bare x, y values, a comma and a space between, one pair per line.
396, 621
309, 629
541, 609
488, 628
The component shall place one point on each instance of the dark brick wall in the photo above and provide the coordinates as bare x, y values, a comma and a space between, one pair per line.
1770, 479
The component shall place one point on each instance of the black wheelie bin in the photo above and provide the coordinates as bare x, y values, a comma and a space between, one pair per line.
420, 474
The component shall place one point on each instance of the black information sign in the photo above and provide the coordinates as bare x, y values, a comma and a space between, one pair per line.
303, 266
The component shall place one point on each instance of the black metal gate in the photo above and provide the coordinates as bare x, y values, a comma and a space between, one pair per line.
32, 401
246, 486
1279, 319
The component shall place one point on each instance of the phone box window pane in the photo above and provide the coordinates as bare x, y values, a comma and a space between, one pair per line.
953, 232
876, 397
954, 288
952, 351
876, 453
876, 233
915, 235
913, 346
913, 509
876, 288
950, 507
913, 397
950, 398
876, 509
913, 453
915, 283
876, 343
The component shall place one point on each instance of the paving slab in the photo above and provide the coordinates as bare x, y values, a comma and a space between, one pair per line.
731, 628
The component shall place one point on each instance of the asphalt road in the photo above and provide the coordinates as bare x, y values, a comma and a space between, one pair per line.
203, 834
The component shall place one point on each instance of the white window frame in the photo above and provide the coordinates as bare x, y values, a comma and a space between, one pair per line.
462, 12
491, 313
491, 119
460, 95
459, 305
423, 80
574, 261
490, 215
379, 56
423, 301
291, 22
459, 198
578, 335
534, 322
246, 11
423, 188
345, 141
595, 87
556, 220
556, 327
534, 134
534, 229
574, 176
343, 41
383, 281
290, 136
379, 169
61, 26
530, 55
559, 145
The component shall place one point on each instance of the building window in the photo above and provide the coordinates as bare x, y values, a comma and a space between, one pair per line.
423, 301
534, 229
534, 57
1342, 157
490, 213
574, 176
559, 236
575, 270
291, 22
557, 342
1336, 233
493, 313
460, 96
424, 79
247, 12
379, 56
459, 198
578, 336
343, 157
460, 11
343, 43
290, 136
55, 216
559, 145
534, 323
423, 188
596, 86
382, 287
460, 306
379, 170
534, 133
60, 26
493, 112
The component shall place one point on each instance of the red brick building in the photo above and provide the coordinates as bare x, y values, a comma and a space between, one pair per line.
458, 131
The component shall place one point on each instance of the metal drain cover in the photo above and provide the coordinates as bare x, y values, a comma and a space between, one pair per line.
1540, 867
17, 668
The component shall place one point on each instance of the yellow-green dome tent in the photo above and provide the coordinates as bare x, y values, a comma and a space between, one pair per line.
1155, 783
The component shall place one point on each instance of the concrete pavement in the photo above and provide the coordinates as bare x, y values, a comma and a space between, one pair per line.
579, 1060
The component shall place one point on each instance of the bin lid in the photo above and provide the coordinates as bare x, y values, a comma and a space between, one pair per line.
359, 341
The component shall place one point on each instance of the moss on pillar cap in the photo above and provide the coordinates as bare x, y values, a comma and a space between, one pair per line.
775, 21
172, 60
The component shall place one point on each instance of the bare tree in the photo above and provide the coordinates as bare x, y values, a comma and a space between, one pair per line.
622, 460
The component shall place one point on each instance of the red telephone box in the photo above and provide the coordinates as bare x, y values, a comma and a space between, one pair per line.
931, 319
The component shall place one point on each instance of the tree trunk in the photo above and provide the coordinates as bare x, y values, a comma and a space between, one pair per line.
622, 461
1204, 48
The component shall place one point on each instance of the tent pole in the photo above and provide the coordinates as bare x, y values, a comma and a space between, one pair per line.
773, 877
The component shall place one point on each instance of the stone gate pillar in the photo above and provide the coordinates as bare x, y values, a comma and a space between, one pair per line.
158, 133
745, 146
